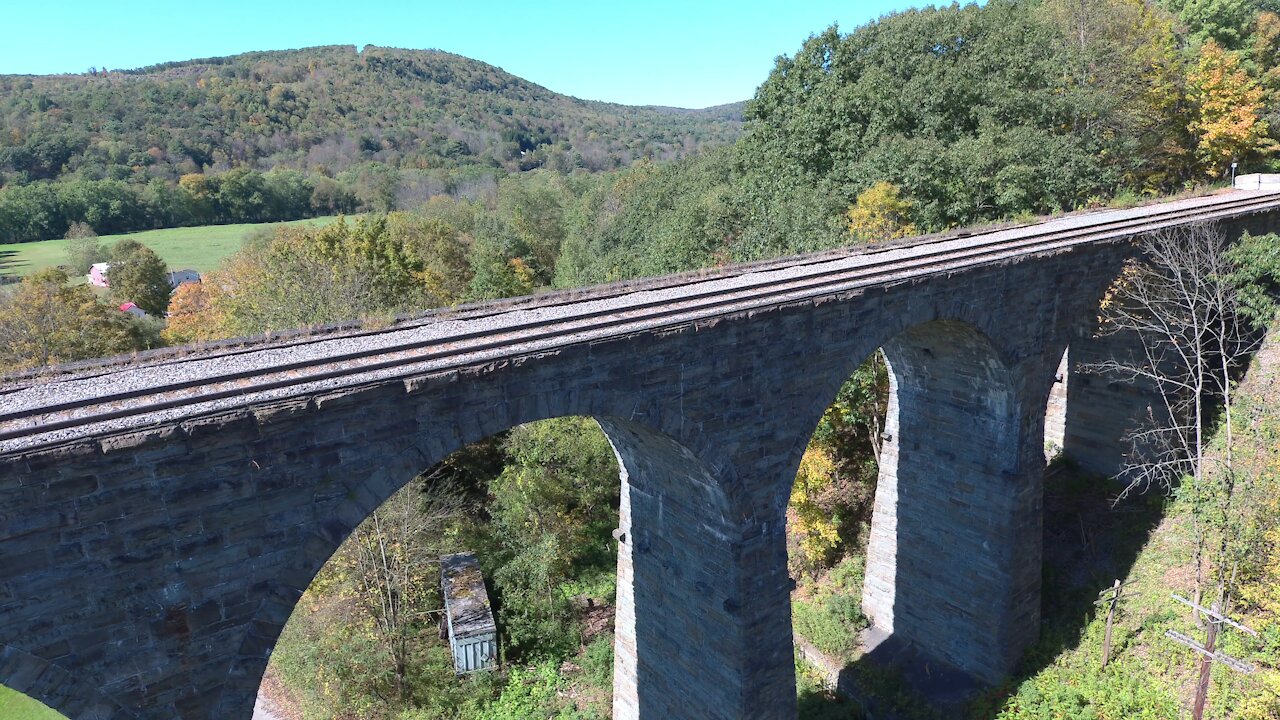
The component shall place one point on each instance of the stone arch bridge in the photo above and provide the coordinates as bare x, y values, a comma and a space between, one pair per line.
161, 515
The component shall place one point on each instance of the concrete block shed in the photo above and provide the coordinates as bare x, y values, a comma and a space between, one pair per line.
473, 636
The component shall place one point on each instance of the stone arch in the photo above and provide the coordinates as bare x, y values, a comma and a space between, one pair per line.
681, 513
1094, 412
58, 689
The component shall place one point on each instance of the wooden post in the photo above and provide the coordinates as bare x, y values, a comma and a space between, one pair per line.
1206, 665
1111, 616
1111, 602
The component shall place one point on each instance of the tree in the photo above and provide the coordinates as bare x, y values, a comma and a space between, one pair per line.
288, 194
1228, 104
106, 205
652, 219
501, 262
807, 518
1185, 304
834, 491
393, 560
301, 275
139, 276
199, 192
194, 314
243, 196
533, 205
880, 213
1126, 80
47, 321
1225, 22
553, 505
376, 185
328, 197
443, 250
967, 109
82, 248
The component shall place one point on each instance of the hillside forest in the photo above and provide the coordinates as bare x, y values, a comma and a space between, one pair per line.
291, 134
470, 184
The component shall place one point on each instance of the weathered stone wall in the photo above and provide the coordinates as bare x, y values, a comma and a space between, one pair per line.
158, 568
673, 522
148, 575
947, 529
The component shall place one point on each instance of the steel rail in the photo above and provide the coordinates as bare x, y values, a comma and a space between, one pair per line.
687, 309
506, 306
717, 296
720, 297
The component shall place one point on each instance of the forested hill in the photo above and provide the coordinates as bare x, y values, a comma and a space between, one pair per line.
290, 134
327, 109
324, 110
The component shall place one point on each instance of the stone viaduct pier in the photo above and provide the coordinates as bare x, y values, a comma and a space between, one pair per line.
161, 515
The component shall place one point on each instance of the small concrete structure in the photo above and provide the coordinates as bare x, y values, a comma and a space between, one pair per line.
473, 637
1258, 181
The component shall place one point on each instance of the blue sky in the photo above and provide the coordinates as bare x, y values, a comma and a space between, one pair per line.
662, 52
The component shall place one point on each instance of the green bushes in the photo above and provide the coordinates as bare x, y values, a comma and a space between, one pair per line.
597, 662
831, 616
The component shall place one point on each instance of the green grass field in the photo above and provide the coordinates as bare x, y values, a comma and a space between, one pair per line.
16, 706
198, 248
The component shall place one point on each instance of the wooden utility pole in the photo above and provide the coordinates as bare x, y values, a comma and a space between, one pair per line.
1110, 602
1206, 667
1208, 655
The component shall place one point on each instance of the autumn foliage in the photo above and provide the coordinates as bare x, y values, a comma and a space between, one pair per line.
880, 213
194, 315
1229, 105
47, 321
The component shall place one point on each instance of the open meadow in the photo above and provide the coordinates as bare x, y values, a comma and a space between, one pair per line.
199, 248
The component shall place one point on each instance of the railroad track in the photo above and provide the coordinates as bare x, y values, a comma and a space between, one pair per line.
39, 411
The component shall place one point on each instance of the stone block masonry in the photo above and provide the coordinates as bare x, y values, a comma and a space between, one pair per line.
146, 574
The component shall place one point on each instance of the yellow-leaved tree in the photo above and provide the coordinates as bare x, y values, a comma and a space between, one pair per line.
881, 213
194, 314
1228, 105
46, 320
816, 529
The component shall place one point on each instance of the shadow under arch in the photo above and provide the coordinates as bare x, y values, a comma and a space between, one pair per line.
953, 561
679, 520
54, 687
